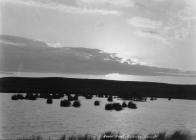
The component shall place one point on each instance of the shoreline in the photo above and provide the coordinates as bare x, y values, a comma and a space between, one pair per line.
123, 89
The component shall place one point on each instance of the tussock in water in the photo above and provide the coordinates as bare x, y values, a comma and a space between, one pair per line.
65, 103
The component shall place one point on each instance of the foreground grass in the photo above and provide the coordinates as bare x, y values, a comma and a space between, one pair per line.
177, 135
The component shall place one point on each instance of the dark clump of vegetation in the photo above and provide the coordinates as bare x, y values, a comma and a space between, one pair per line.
177, 135
124, 104
89, 96
139, 99
79, 137
30, 96
76, 97
110, 99
153, 98
65, 103
72, 98
132, 105
31, 138
108, 107
113, 106
97, 103
14, 97
117, 106
57, 96
110, 136
76, 104
49, 101
17, 97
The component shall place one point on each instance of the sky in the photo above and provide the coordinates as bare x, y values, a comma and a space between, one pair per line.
153, 32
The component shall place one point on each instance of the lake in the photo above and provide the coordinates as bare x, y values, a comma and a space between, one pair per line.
26, 118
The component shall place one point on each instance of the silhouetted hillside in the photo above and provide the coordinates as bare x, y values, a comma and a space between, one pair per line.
94, 86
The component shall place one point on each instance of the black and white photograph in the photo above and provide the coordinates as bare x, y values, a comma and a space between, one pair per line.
97, 69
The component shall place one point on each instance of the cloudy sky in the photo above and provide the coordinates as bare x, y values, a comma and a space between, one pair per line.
153, 32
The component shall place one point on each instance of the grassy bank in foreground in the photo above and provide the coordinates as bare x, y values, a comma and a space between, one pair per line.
177, 135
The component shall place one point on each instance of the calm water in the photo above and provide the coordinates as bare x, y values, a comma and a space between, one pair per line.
27, 118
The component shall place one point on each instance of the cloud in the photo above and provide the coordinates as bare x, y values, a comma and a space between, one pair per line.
175, 27
153, 35
54, 45
118, 3
181, 34
188, 13
36, 58
175, 21
11, 43
148, 28
181, 28
141, 22
65, 8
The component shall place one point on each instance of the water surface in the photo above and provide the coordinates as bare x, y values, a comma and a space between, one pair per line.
27, 118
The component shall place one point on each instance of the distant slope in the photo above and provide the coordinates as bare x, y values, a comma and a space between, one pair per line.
94, 86
26, 55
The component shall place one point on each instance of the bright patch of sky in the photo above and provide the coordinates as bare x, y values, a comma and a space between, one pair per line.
156, 32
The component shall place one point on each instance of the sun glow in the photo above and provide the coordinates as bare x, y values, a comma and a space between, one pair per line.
115, 76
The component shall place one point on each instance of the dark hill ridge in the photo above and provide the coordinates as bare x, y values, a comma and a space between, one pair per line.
96, 86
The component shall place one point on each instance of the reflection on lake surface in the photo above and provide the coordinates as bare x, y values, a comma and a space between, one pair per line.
27, 118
